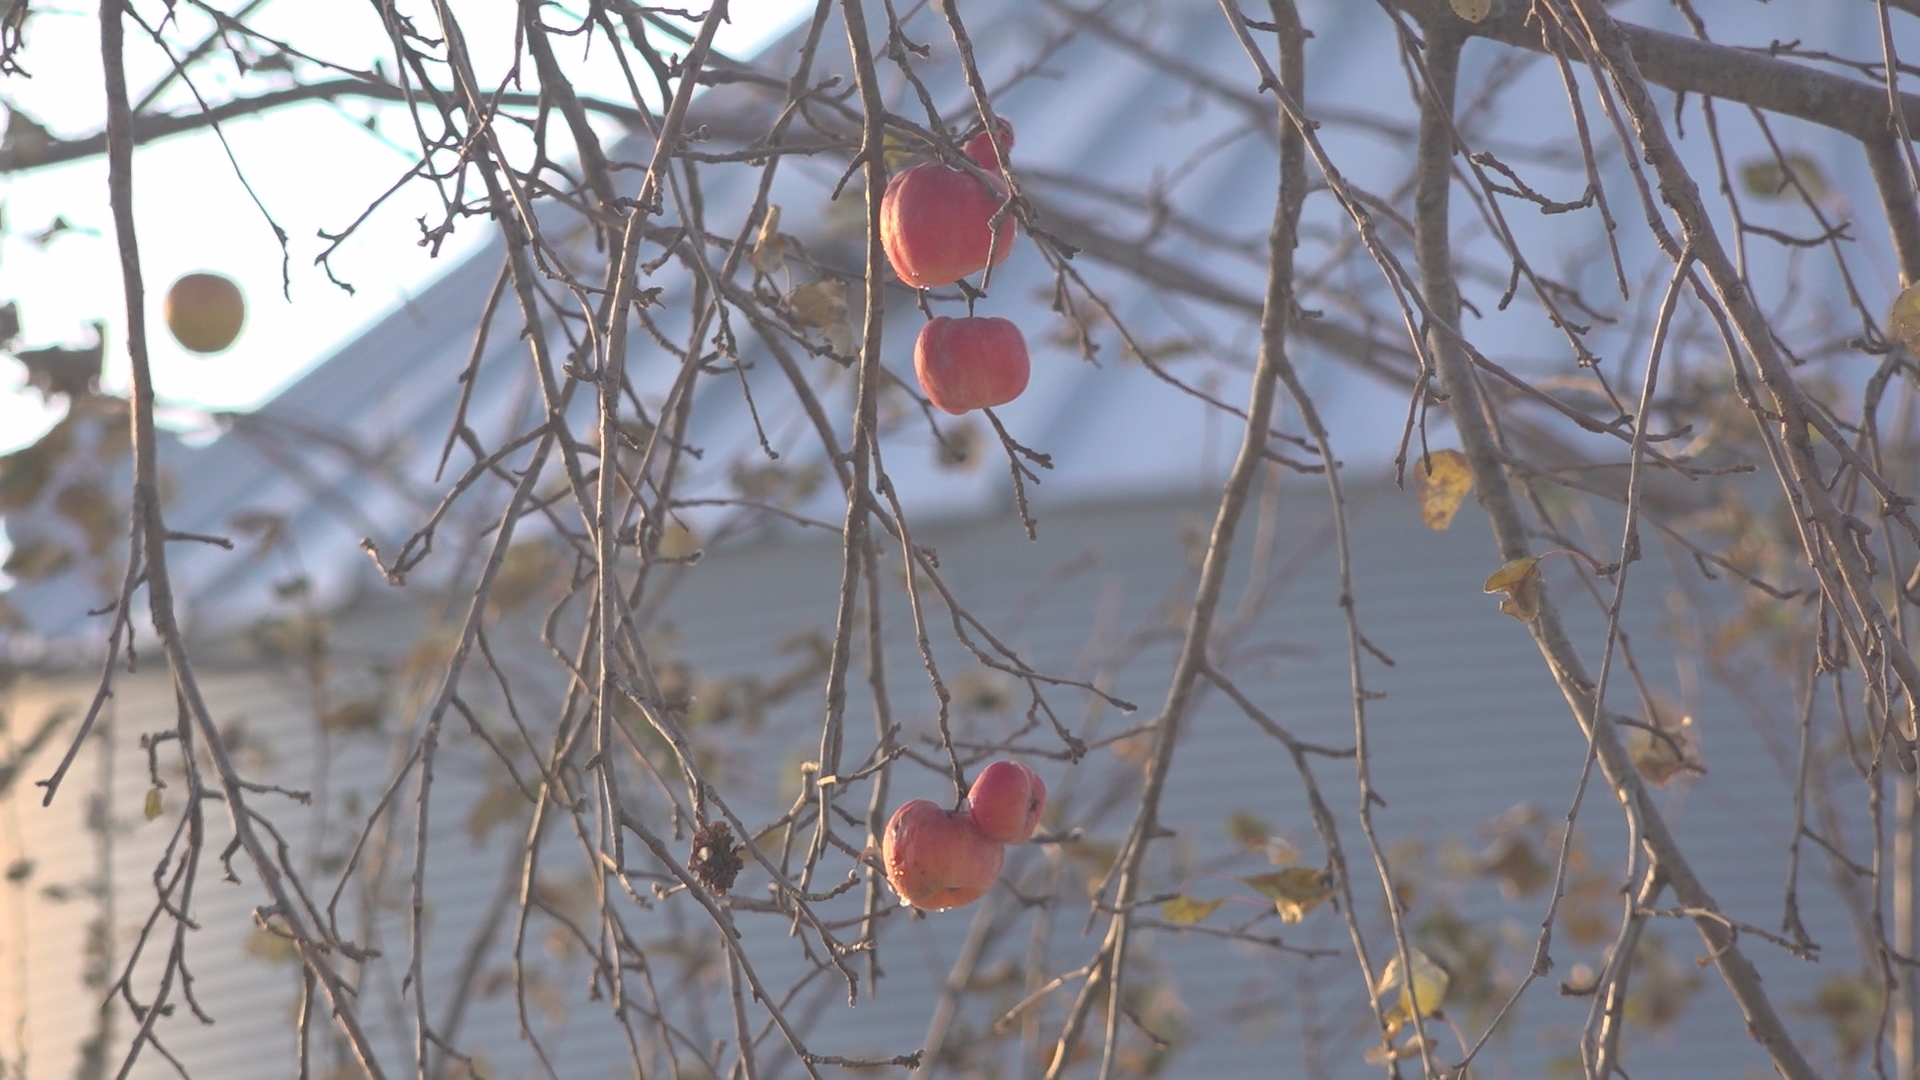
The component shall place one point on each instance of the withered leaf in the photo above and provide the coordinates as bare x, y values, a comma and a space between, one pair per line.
1247, 830
152, 806
1186, 911
1386, 1051
1512, 861
677, 541
823, 304
898, 150
1903, 320
499, 805
959, 446
268, 530
769, 253
1667, 745
25, 136
1295, 890
25, 472
1425, 995
1768, 178
271, 945
1442, 480
84, 503
36, 560
819, 303
1472, 10
361, 714
1520, 581
526, 569
55, 370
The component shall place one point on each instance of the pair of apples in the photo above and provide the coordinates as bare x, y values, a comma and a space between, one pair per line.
937, 226
938, 859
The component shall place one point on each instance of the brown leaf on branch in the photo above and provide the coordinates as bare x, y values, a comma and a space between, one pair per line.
1903, 319
1295, 890
1774, 177
769, 254
1666, 744
1186, 911
1519, 580
823, 305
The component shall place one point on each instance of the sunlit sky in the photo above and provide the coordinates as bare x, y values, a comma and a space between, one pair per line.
314, 167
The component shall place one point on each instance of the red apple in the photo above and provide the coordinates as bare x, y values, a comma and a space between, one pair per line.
980, 148
935, 225
936, 859
205, 312
971, 363
1006, 801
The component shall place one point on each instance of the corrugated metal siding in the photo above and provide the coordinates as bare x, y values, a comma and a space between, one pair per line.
1470, 727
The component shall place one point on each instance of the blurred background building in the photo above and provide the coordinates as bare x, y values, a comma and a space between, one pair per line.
1141, 142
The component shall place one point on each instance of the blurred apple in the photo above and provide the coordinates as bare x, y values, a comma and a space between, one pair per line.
980, 147
937, 859
205, 312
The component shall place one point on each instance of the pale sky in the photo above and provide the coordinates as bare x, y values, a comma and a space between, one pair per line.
315, 167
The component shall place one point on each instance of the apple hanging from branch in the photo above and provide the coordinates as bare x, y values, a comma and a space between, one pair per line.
971, 363
936, 222
1006, 801
937, 859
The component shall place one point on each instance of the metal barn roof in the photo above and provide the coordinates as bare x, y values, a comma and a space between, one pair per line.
348, 452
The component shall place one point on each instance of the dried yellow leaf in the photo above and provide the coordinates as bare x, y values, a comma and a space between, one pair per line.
1668, 746
1903, 320
1295, 890
1520, 581
1472, 10
1186, 911
152, 806
1442, 481
1247, 830
820, 303
1428, 990
898, 150
677, 541
1773, 177
769, 253
1386, 1051
526, 570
